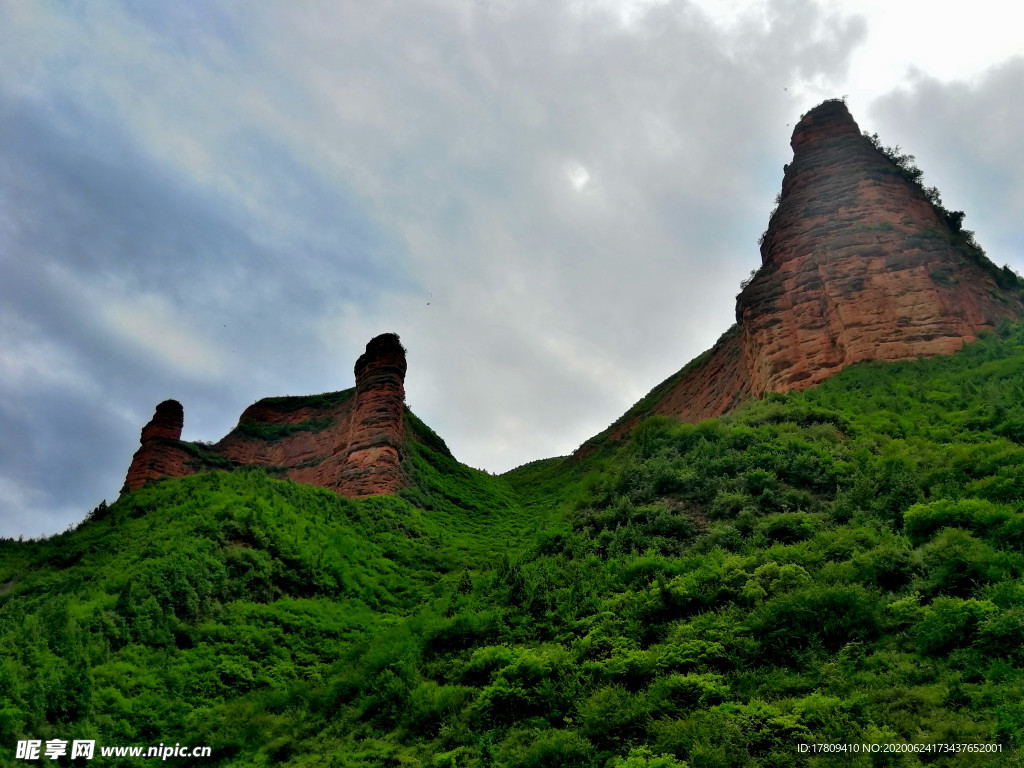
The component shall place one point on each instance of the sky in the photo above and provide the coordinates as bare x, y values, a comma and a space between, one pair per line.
552, 202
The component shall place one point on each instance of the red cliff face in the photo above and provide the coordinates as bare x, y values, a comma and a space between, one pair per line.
376, 443
856, 265
352, 441
159, 454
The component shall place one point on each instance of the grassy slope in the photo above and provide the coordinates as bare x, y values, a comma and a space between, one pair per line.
206, 609
838, 565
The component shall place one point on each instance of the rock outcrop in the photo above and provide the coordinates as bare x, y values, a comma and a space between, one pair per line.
159, 453
377, 436
856, 265
352, 441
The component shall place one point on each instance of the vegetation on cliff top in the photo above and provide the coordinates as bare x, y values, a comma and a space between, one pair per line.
288, 403
905, 164
841, 565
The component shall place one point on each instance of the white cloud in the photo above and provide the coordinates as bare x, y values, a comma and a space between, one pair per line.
151, 324
30, 360
964, 137
22, 509
578, 176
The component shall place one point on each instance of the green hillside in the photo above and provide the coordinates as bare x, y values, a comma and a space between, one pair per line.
838, 566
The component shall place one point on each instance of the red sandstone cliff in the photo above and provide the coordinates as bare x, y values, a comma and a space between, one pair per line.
856, 265
352, 441
376, 442
159, 454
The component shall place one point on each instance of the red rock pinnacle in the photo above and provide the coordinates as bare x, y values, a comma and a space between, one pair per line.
159, 455
376, 444
856, 265
352, 442
168, 421
828, 121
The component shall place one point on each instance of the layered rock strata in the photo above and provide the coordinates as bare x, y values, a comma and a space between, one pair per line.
856, 265
159, 454
376, 439
352, 442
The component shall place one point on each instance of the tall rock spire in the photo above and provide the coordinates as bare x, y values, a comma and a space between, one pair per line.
158, 455
376, 444
857, 265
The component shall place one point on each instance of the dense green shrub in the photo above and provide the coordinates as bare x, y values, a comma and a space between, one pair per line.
612, 715
547, 749
978, 516
951, 622
956, 563
788, 528
891, 566
642, 757
674, 694
829, 615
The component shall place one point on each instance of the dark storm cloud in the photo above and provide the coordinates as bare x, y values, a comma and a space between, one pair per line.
552, 207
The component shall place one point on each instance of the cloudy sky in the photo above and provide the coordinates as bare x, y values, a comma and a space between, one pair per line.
553, 203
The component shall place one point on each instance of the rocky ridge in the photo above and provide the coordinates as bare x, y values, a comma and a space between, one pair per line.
159, 454
352, 441
856, 264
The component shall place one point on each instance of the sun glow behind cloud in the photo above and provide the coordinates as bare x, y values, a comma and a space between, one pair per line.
578, 176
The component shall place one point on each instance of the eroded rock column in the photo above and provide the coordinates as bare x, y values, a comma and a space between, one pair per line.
376, 444
159, 454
